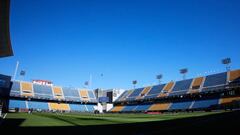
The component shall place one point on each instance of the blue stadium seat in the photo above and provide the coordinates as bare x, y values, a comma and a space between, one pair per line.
131, 98
71, 94
142, 107
155, 91
182, 85
43, 91
122, 96
15, 90
38, 105
216, 79
17, 104
180, 105
205, 103
151, 96
91, 94
129, 108
178, 93
90, 108
136, 92
77, 107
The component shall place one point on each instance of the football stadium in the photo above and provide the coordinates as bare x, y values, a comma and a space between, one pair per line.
202, 103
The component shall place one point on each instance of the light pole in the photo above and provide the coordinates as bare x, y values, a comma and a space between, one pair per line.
227, 62
159, 77
15, 71
184, 72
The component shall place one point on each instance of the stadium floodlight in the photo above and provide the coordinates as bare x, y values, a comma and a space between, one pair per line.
227, 62
86, 84
184, 72
134, 82
22, 73
159, 77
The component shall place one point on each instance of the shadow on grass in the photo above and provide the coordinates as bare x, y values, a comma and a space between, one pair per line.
228, 122
71, 122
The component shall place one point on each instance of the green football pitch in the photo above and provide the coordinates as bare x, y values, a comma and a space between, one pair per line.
70, 119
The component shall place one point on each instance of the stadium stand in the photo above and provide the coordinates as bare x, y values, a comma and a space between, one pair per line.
71, 94
15, 90
92, 97
136, 93
234, 76
27, 95
90, 108
229, 100
144, 92
38, 105
27, 89
129, 108
204, 103
58, 93
167, 89
84, 95
49, 106
213, 81
20, 104
199, 93
154, 92
196, 85
117, 109
42, 91
59, 107
181, 87
142, 107
78, 108
123, 96
180, 105
159, 107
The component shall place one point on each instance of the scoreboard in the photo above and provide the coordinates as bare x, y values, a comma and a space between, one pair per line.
43, 82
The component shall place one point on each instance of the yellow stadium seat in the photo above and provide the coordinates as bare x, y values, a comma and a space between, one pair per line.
58, 92
61, 106
117, 109
159, 107
197, 82
168, 87
84, 95
233, 75
228, 100
144, 92
162, 95
26, 89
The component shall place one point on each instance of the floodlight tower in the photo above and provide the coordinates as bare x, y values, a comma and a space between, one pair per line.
134, 82
227, 62
22, 74
184, 71
159, 77
15, 71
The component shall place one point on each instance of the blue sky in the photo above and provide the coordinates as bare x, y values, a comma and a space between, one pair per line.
67, 40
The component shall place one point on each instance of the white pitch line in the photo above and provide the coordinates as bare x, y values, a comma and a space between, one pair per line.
5, 116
